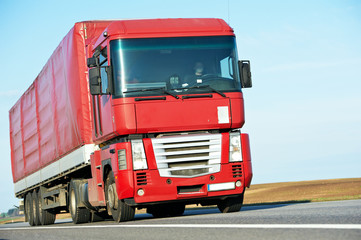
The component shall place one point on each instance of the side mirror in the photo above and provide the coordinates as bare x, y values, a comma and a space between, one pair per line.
245, 73
95, 81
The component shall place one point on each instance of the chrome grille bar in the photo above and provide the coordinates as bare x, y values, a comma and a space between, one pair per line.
188, 155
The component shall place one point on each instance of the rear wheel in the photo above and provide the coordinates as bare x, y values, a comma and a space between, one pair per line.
45, 216
119, 210
29, 209
78, 214
231, 204
35, 206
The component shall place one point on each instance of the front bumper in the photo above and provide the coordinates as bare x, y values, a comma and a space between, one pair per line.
154, 189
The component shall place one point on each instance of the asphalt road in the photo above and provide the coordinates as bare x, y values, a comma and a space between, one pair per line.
324, 220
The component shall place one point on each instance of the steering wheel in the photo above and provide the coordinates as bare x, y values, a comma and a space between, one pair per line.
208, 77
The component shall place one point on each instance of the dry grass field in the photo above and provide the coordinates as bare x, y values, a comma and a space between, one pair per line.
305, 191
308, 191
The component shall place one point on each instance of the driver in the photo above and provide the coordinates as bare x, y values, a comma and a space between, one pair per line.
198, 69
197, 76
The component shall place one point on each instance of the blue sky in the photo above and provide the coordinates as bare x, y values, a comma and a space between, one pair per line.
303, 113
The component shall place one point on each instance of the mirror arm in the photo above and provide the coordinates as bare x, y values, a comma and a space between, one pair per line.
109, 72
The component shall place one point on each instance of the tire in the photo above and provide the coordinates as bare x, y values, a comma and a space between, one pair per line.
166, 210
78, 214
46, 217
99, 216
177, 210
29, 209
119, 210
158, 211
231, 204
35, 208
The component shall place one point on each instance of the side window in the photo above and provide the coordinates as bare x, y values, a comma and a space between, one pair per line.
103, 61
227, 68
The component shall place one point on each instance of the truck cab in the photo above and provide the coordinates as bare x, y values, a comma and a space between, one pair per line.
167, 101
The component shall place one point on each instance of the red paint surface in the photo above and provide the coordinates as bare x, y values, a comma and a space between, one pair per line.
246, 154
54, 116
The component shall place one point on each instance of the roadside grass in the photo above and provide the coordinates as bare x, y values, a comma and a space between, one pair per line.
12, 219
280, 193
337, 198
22, 218
305, 191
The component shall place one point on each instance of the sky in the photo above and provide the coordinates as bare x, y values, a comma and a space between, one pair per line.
303, 113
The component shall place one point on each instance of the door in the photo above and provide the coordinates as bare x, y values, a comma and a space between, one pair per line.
102, 104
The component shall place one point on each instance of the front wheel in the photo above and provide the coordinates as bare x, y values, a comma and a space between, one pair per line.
119, 210
166, 210
231, 204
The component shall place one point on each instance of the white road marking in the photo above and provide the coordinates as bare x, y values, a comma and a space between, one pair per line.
235, 226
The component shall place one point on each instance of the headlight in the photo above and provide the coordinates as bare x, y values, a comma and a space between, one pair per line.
139, 159
235, 147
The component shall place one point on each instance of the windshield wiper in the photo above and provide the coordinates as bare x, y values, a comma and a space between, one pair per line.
153, 89
202, 86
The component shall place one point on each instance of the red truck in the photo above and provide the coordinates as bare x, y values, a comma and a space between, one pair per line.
133, 114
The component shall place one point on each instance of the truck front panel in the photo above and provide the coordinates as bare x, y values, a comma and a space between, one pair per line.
181, 167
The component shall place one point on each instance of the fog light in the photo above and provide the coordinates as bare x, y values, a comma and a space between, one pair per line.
238, 183
140, 192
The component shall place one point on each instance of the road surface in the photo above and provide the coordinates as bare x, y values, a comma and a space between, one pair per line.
323, 220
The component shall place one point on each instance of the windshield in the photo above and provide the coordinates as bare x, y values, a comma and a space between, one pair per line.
183, 65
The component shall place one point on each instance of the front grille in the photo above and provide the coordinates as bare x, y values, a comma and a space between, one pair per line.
142, 178
188, 155
237, 171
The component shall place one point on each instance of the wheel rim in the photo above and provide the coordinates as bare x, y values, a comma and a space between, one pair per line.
28, 208
39, 206
34, 206
111, 196
72, 202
